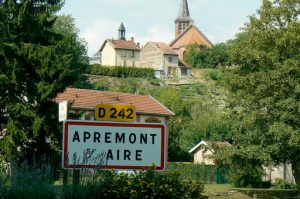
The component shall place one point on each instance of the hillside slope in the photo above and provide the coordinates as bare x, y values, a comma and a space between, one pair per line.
203, 86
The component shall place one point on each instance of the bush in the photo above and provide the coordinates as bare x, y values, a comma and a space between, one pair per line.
283, 184
35, 182
249, 177
27, 182
144, 184
120, 71
216, 75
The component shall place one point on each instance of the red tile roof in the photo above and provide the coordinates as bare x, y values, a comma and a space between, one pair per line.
121, 44
164, 48
191, 35
88, 99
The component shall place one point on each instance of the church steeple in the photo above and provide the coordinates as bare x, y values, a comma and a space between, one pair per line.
183, 19
122, 31
184, 12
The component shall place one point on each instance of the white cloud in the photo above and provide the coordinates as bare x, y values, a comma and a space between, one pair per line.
98, 31
157, 33
102, 29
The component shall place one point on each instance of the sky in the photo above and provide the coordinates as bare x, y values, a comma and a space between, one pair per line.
153, 20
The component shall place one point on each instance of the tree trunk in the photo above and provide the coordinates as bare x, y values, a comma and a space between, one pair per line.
296, 174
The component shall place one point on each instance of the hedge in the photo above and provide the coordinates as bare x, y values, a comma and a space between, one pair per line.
120, 71
197, 172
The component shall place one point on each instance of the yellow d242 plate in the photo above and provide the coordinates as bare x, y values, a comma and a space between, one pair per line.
115, 112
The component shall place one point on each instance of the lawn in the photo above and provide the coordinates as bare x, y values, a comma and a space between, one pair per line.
222, 191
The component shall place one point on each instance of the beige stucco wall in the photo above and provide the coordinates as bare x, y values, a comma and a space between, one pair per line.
126, 57
174, 65
283, 171
118, 57
151, 58
202, 156
108, 55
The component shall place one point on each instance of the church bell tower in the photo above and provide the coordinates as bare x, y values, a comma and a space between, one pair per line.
183, 19
122, 32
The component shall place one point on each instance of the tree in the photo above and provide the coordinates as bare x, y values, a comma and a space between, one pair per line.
37, 62
210, 126
266, 89
203, 57
220, 55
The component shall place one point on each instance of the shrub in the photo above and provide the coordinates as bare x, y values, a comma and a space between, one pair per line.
28, 182
144, 184
35, 182
283, 184
103, 86
249, 177
216, 75
120, 71
196, 172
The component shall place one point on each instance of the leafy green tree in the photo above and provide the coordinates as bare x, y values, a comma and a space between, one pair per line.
203, 57
173, 99
191, 55
266, 88
210, 127
220, 55
37, 62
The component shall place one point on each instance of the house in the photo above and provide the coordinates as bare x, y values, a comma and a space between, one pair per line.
95, 59
82, 102
282, 171
186, 32
164, 60
203, 151
120, 52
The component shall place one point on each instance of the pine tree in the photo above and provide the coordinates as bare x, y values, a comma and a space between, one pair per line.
37, 63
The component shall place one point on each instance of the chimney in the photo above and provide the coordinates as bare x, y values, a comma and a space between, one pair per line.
138, 44
132, 39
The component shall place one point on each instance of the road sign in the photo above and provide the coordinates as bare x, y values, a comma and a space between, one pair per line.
115, 112
113, 145
62, 111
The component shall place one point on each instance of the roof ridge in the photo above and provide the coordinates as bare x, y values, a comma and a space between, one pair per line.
116, 92
162, 105
183, 32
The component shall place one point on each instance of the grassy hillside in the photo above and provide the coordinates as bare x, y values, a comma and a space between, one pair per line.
198, 103
203, 86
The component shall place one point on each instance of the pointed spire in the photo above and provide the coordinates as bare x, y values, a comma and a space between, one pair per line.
184, 12
183, 19
122, 32
122, 28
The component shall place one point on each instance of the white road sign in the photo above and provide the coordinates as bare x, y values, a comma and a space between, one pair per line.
62, 111
107, 145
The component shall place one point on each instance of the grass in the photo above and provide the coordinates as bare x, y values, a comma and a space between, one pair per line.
222, 191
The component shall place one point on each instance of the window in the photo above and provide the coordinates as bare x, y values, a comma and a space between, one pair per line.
123, 53
132, 54
184, 71
170, 59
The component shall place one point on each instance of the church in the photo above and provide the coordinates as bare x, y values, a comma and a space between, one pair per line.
186, 32
166, 60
